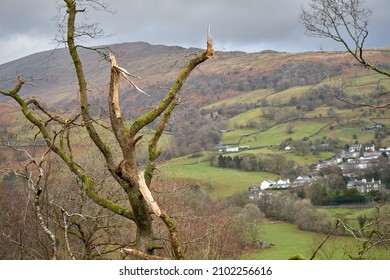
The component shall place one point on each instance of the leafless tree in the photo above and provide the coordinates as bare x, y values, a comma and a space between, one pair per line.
33, 174
346, 22
124, 169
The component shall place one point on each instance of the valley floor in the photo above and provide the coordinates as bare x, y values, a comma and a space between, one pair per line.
289, 241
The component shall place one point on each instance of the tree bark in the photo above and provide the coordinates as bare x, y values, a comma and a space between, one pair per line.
126, 173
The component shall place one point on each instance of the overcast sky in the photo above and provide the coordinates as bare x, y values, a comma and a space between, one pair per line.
28, 27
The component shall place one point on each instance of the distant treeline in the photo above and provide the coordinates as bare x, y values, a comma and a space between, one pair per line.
276, 164
282, 78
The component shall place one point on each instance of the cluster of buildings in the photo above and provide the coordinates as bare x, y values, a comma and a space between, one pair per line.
256, 192
357, 157
363, 186
377, 126
285, 183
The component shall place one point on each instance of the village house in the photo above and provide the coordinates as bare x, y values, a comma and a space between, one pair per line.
355, 148
282, 184
363, 186
369, 148
358, 163
347, 154
266, 184
255, 192
227, 148
329, 162
302, 180
271, 184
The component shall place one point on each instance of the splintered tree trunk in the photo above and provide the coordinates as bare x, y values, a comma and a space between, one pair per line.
142, 215
127, 170
133, 182
126, 173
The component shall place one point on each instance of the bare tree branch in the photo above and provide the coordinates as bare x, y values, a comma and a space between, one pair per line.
344, 21
126, 173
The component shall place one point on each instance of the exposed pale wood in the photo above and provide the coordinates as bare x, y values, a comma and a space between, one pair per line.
148, 196
115, 89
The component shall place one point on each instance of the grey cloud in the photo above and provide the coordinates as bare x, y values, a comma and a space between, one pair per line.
239, 22
247, 25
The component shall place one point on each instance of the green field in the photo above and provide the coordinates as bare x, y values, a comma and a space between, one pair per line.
366, 84
348, 213
290, 241
223, 182
308, 159
344, 125
347, 135
253, 115
218, 182
285, 95
287, 239
277, 134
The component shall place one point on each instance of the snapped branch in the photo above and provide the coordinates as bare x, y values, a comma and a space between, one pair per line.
149, 117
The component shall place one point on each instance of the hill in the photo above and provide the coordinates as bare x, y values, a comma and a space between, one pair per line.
51, 77
260, 100
275, 108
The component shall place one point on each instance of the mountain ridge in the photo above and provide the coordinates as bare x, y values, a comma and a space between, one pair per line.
50, 76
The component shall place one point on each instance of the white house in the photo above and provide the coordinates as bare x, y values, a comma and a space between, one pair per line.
232, 149
227, 148
302, 180
266, 184
271, 184
355, 148
282, 184
289, 148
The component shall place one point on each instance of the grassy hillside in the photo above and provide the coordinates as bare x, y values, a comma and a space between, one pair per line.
248, 77
251, 127
238, 89
224, 182
274, 136
218, 182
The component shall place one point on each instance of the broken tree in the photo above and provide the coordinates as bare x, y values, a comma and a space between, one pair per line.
134, 182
